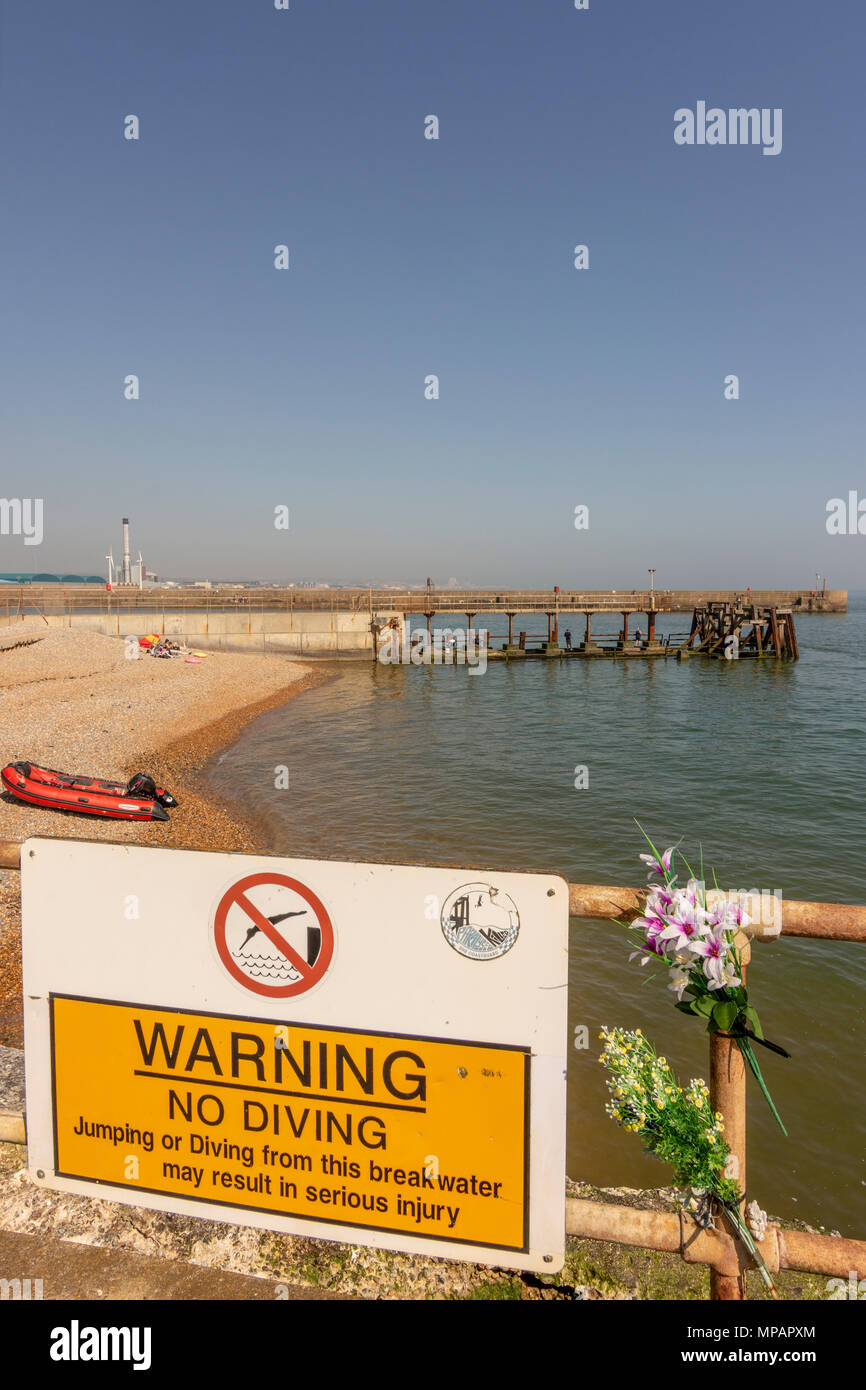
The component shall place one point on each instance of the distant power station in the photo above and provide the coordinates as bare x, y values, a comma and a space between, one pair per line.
126, 572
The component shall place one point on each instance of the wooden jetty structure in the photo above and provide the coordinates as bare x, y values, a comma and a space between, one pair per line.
735, 630
723, 630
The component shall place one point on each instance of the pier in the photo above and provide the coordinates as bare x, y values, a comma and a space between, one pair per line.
726, 631
348, 622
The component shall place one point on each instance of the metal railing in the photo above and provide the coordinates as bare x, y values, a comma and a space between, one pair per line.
61, 598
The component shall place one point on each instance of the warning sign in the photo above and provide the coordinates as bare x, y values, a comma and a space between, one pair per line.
402, 1134
273, 935
373, 1053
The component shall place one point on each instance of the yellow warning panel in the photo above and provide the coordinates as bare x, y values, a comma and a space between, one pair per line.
391, 1133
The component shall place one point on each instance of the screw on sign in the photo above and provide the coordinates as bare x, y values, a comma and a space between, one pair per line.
273, 935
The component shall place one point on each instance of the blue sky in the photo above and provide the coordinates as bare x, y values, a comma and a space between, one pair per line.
558, 387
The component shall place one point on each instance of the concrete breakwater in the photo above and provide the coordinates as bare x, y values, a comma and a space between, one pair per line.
298, 634
800, 600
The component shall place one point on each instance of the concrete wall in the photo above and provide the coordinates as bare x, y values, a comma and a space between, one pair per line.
299, 634
833, 601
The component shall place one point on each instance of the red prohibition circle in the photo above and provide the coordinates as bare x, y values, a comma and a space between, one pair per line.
310, 974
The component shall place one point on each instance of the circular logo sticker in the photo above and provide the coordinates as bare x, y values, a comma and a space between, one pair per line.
273, 935
480, 921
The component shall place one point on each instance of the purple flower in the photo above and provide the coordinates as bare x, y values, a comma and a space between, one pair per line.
660, 866
660, 898
681, 932
652, 926
714, 949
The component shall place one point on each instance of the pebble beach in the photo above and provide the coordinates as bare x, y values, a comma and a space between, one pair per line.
75, 701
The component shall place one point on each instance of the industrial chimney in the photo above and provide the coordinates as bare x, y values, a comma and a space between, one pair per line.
127, 576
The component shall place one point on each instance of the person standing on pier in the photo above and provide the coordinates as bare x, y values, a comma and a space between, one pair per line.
568, 639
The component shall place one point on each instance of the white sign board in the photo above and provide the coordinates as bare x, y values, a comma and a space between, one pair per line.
356, 1052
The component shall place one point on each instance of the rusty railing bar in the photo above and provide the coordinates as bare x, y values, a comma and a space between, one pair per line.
827, 921
830, 921
676, 1233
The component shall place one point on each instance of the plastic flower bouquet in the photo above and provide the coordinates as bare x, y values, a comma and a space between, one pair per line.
693, 934
677, 1126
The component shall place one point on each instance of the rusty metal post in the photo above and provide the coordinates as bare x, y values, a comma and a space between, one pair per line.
10, 854
511, 617
728, 1096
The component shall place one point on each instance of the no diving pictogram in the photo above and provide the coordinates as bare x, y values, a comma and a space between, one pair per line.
273, 935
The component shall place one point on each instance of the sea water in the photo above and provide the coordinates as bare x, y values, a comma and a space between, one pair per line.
761, 763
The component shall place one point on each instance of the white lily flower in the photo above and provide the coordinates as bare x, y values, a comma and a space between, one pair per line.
679, 981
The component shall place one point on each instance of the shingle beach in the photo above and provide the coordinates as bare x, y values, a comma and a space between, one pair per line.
74, 701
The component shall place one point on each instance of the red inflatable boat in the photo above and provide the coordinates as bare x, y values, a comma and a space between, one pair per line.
139, 799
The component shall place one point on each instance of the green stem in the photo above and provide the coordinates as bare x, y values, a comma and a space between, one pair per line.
746, 1048
765, 1042
745, 1235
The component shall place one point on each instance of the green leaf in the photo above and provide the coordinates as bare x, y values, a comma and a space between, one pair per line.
704, 1005
752, 1018
746, 1048
724, 1014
